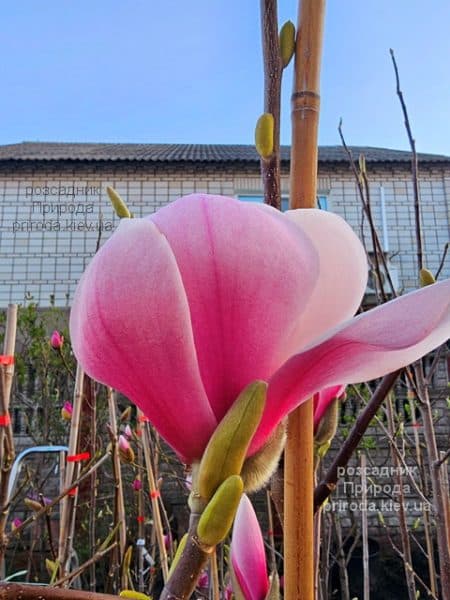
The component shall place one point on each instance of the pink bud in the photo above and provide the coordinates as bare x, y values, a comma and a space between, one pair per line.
123, 443
167, 540
16, 523
137, 484
56, 340
203, 580
66, 411
228, 592
125, 450
128, 433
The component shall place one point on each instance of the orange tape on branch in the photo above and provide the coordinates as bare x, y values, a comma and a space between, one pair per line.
140, 519
155, 494
6, 359
79, 457
143, 419
5, 420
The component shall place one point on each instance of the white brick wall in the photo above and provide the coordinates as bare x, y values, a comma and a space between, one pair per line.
51, 261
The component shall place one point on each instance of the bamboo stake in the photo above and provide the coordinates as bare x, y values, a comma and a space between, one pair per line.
154, 493
119, 505
68, 503
365, 529
7, 452
298, 490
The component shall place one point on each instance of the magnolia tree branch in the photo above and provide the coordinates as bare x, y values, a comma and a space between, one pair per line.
328, 483
19, 591
414, 164
270, 167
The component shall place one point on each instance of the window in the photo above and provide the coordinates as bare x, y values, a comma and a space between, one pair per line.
322, 200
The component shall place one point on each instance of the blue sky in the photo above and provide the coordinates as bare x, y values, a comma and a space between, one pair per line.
172, 71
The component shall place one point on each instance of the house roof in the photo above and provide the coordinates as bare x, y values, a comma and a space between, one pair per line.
181, 153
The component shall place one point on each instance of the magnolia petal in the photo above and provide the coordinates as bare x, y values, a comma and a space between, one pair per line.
343, 272
323, 399
241, 322
248, 556
372, 344
130, 329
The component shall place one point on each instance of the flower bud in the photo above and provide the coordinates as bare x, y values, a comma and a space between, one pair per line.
33, 505
203, 580
227, 448
137, 484
16, 523
426, 277
66, 411
126, 414
264, 135
125, 450
218, 516
287, 43
119, 205
56, 340
128, 433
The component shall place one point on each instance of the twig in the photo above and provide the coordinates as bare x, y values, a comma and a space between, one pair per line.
441, 264
20, 591
97, 556
270, 167
414, 164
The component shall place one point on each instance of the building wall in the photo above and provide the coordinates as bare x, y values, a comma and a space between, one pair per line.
49, 215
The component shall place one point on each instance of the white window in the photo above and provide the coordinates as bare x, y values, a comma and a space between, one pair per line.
322, 200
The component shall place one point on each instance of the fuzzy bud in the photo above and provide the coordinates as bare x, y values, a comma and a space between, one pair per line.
264, 133
287, 43
134, 595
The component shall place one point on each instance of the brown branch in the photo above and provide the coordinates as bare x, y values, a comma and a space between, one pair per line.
414, 164
328, 483
270, 167
20, 591
91, 561
441, 264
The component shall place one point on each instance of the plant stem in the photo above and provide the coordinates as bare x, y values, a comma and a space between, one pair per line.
270, 167
414, 164
19, 591
299, 461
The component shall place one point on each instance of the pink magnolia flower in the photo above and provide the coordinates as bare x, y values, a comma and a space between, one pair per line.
16, 523
67, 411
56, 340
181, 310
248, 557
203, 580
137, 484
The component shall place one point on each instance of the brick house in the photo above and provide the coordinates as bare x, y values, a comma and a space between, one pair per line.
53, 195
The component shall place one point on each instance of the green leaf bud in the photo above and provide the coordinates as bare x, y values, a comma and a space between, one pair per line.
264, 133
218, 516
